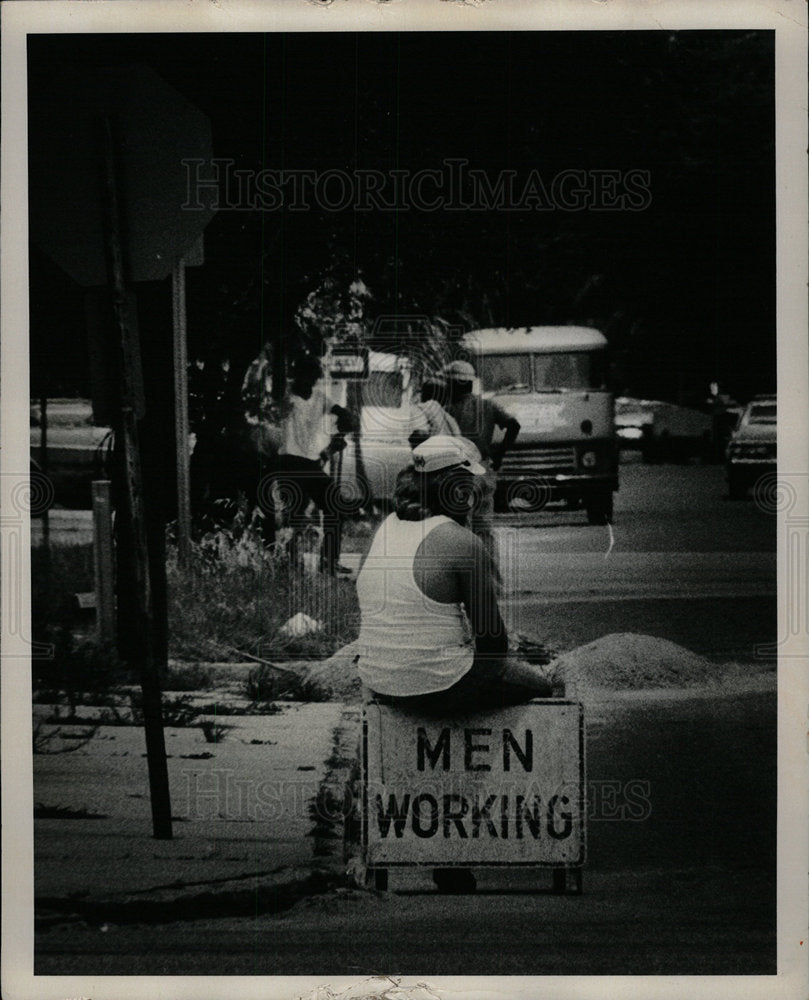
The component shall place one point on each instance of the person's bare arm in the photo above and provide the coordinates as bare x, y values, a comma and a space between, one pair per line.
511, 426
452, 564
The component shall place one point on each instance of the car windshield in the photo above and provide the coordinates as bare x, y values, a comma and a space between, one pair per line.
762, 413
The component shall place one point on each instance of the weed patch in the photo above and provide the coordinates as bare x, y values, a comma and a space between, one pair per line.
235, 595
178, 713
264, 684
64, 812
214, 732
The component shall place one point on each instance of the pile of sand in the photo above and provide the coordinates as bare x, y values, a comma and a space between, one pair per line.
627, 661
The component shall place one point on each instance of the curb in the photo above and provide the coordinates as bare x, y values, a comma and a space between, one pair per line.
266, 897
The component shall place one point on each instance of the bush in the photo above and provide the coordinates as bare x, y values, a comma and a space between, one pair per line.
264, 684
189, 677
214, 731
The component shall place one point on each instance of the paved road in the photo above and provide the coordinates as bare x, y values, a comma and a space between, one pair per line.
681, 562
662, 508
684, 885
675, 534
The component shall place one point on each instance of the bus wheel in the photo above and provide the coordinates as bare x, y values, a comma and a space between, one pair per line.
500, 499
599, 508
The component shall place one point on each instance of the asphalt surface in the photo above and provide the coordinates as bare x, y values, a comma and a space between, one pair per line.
680, 879
681, 562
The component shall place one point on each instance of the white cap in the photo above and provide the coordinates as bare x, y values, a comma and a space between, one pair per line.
442, 452
460, 371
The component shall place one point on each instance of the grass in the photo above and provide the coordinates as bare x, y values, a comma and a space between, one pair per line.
235, 596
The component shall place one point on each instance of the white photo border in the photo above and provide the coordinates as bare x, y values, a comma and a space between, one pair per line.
788, 19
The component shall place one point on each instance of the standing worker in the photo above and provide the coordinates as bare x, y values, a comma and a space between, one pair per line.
477, 418
307, 435
429, 416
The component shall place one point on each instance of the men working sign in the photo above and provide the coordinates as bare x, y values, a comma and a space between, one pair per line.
496, 788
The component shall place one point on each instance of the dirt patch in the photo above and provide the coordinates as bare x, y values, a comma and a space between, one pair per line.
336, 677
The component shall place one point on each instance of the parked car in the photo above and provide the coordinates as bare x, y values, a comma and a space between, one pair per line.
662, 432
752, 450
76, 450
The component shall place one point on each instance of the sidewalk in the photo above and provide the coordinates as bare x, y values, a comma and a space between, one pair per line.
248, 816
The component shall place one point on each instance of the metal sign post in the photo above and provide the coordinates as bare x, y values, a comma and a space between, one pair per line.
132, 491
181, 411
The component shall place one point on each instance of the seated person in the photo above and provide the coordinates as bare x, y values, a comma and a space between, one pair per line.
431, 634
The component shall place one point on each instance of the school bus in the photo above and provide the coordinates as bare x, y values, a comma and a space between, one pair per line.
554, 380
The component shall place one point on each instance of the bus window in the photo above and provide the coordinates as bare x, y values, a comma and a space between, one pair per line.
505, 372
579, 370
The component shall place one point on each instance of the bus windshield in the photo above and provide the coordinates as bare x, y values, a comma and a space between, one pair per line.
505, 372
542, 372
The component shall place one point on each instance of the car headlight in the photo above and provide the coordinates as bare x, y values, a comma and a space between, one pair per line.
588, 459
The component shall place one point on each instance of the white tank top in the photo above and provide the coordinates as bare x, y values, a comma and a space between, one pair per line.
307, 426
408, 644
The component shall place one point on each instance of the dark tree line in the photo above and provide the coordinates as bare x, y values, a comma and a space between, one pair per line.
684, 288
